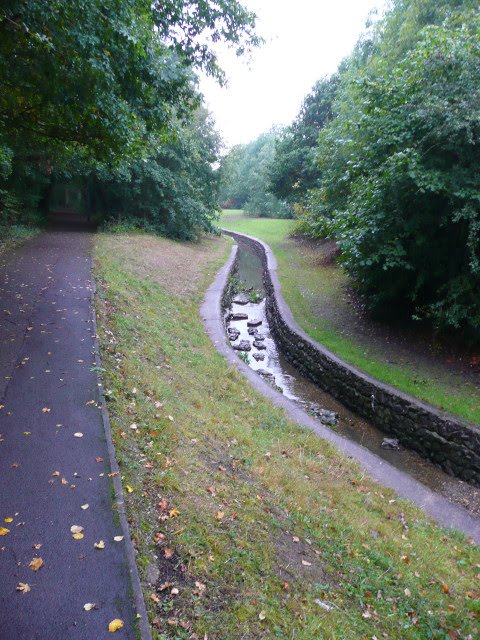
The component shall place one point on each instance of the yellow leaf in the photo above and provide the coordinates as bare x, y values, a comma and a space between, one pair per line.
219, 515
99, 545
129, 489
9, 519
76, 528
173, 513
36, 564
56, 473
77, 536
115, 625
23, 587
3, 531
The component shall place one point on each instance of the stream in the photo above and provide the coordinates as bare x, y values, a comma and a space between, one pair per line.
265, 358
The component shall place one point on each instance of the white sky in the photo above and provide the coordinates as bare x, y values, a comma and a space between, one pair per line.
305, 40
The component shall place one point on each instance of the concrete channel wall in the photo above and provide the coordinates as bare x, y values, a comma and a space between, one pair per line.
449, 442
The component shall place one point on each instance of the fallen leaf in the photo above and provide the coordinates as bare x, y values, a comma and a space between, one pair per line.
173, 513
220, 515
84, 506
76, 528
175, 591
89, 606
46, 410
37, 545
8, 520
211, 490
78, 536
262, 615
306, 563
36, 564
99, 545
129, 489
56, 473
78, 434
168, 553
98, 459
163, 505
115, 625
118, 538
3, 531
407, 592
23, 587
155, 598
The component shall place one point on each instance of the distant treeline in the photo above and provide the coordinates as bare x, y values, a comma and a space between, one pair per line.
384, 157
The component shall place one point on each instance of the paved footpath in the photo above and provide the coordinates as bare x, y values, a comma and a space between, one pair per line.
48, 472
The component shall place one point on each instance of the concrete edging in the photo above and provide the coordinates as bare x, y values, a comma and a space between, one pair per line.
143, 624
449, 442
446, 514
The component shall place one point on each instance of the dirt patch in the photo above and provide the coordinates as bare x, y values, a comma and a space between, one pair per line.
298, 561
176, 266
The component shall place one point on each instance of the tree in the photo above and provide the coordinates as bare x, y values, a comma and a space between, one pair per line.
245, 178
400, 173
102, 81
293, 171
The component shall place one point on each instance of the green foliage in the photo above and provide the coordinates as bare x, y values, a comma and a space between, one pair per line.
174, 192
101, 86
293, 171
244, 179
399, 165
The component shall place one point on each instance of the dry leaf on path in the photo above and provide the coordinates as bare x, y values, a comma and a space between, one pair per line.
89, 606
3, 531
8, 520
36, 564
76, 528
115, 625
84, 506
78, 434
23, 587
99, 545
118, 538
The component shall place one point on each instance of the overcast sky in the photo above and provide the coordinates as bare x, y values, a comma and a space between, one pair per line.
305, 40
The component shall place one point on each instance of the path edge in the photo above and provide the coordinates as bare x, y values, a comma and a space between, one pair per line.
142, 622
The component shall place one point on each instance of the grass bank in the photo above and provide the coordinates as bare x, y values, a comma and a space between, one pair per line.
247, 526
14, 235
315, 292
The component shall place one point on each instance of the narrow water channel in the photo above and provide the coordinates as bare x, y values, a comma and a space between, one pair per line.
265, 358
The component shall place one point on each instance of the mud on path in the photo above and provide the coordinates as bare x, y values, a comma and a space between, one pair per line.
54, 458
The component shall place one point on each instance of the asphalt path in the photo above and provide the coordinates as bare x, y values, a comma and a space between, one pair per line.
54, 458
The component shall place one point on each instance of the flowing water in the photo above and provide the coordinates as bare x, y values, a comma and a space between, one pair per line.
276, 369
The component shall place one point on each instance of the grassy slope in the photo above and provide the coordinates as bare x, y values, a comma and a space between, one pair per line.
303, 284
12, 236
253, 519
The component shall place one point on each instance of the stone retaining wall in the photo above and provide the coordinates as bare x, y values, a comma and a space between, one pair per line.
449, 442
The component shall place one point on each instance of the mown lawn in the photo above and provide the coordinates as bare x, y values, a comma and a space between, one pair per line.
246, 525
307, 285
